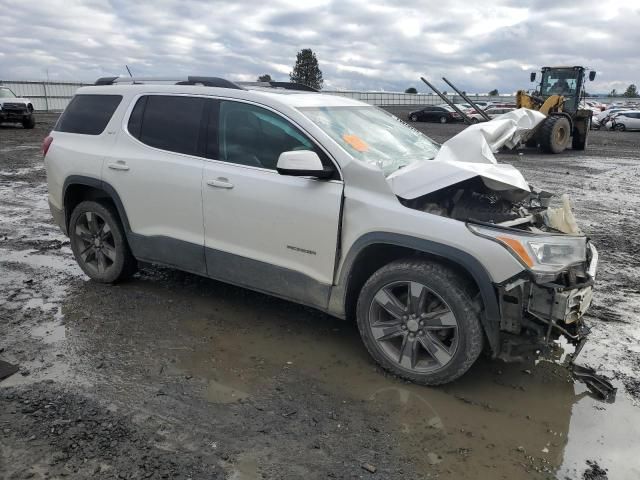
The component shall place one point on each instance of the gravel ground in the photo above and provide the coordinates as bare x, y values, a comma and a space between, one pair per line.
176, 376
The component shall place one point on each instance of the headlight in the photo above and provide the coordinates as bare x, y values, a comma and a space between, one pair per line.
540, 253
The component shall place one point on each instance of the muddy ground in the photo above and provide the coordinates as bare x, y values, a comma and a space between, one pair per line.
175, 376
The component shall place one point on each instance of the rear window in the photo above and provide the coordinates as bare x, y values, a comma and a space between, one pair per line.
88, 114
167, 122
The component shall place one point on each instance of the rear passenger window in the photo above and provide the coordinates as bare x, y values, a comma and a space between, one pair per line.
88, 114
168, 122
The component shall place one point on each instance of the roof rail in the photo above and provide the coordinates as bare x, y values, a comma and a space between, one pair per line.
190, 80
284, 85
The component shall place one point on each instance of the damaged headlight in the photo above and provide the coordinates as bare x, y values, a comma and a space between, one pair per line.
540, 253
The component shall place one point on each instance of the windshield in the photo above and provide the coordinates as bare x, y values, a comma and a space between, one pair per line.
373, 136
559, 82
6, 93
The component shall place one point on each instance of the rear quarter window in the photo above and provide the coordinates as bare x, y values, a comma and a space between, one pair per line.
88, 114
167, 122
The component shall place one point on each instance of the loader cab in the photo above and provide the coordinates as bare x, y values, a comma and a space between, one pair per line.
566, 81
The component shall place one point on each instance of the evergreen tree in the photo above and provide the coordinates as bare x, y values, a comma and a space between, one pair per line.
264, 78
494, 92
411, 90
631, 92
306, 69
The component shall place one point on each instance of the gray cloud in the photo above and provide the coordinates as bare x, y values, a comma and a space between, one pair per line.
361, 44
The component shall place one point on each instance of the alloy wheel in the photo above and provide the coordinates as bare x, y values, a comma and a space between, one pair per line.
413, 326
96, 245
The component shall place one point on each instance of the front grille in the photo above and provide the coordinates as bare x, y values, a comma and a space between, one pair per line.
14, 107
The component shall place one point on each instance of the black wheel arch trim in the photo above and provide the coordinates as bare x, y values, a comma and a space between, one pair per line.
491, 316
100, 185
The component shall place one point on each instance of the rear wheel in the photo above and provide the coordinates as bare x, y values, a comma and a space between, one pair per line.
443, 119
413, 118
417, 321
555, 134
99, 244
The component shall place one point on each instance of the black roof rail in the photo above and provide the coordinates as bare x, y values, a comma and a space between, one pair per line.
105, 81
294, 86
211, 82
191, 80
284, 85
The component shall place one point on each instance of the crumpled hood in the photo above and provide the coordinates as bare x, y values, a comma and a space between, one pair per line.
470, 154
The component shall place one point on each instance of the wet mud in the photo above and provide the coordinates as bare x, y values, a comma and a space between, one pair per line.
171, 375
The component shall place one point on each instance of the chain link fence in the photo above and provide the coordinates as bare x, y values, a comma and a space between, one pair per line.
54, 96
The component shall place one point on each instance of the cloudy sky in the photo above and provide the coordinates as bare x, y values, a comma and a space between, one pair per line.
361, 44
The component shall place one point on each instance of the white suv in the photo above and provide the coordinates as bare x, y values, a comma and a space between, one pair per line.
437, 251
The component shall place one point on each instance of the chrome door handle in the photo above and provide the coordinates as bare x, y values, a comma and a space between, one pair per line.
119, 165
220, 182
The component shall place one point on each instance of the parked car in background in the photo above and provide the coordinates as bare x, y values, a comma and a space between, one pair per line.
15, 109
626, 120
435, 113
604, 118
492, 112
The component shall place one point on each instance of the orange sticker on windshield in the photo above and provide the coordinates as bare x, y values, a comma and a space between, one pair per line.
356, 142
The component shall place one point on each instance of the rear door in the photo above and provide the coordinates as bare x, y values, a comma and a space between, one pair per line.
156, 170
271, 232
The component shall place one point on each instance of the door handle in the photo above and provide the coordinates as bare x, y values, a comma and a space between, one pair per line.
119, 165
220, 182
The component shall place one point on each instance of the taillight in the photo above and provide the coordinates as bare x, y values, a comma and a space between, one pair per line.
46, 143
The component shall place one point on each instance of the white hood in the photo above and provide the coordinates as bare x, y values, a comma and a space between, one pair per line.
15, 100
470, 154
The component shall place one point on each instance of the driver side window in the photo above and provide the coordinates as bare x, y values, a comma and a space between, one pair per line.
254, 136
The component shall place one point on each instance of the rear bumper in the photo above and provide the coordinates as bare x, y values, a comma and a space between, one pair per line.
58, 217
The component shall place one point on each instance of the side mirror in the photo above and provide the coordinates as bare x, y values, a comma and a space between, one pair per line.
532, 76
592, 75
302, 163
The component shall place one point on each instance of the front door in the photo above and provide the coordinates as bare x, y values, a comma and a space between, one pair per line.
263, 230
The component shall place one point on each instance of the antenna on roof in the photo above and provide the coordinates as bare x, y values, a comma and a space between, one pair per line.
127, 67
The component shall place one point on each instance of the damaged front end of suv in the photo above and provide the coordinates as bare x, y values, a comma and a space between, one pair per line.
549, 297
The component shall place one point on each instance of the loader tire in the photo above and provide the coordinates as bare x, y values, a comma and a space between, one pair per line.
555, 134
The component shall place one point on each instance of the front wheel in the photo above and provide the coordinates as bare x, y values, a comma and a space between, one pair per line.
443, 119
99, 244
29, 122
413, 118
619, 127
418, 321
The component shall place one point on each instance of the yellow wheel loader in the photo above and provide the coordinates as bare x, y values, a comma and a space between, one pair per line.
559, 96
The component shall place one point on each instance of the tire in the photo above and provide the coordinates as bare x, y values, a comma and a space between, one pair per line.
436, 355
474, 120
555, 134
413, 118
580, 142
443, 119
620, 127
95, 224
29, 123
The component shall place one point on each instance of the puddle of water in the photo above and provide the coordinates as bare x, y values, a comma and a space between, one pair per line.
32, 259
609, 434
481, 419
245, 468
495, 422
221, 393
